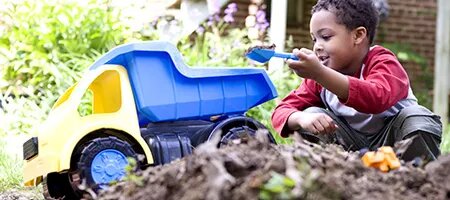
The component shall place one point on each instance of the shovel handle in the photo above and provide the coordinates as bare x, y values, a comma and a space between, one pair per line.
285, 55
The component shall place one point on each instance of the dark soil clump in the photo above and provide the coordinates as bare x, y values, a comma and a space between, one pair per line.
272, 47
318, 172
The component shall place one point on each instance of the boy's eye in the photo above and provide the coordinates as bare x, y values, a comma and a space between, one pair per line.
326, 37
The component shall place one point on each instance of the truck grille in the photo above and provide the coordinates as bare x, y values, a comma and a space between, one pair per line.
30, 148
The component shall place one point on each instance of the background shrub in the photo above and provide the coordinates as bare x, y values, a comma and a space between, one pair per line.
45, 46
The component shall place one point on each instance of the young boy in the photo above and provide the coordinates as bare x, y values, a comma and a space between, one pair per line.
353, 94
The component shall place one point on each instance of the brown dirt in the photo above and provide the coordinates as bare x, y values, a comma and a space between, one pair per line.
272, 46
319, 172
22, 194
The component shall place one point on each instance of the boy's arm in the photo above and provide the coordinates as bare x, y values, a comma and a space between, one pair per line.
385, 83
309, 66
335, 82
307, 95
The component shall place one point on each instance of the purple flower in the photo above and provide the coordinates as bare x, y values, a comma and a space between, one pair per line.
262, 26
212, 19
216, 17
200, 30
261, 16
231, 9
228, 18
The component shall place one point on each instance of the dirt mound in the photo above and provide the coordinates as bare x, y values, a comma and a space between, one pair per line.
22, 194
296, 171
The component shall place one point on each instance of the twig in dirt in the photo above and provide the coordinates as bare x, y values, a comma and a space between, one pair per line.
235, 159
218, 179
401, 146
209, 147
309, 150
261, 136
293, 173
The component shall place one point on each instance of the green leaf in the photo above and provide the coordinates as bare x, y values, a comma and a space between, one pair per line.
403, 56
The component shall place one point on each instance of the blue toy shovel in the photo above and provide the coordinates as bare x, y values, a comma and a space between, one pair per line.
263, 55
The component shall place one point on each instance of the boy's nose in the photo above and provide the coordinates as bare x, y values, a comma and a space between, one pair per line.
318, 47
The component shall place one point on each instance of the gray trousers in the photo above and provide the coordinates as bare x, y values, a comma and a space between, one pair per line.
416, 122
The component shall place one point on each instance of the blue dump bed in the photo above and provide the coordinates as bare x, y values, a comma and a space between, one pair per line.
165, 89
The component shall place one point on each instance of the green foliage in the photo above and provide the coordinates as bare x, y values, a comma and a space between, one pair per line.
131, 175
10, 177
85, 107
445, 144
278, 187
44, 46
216, 46
303, 183
131, 172
405, 53
20, 116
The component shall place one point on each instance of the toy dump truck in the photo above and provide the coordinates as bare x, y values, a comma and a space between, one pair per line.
145, 101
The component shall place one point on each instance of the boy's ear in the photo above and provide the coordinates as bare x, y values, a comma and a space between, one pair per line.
359, 34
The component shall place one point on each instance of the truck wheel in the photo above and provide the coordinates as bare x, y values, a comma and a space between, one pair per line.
232, 128
103, 161
57, 186
242, 133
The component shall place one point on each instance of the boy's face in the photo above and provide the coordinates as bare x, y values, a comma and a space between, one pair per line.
333, 43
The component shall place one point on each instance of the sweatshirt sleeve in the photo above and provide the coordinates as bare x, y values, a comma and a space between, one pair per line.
384, 83
307, 95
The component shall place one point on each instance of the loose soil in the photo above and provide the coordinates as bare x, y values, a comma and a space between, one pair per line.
22, 194
250, 49
242, 171
318, 172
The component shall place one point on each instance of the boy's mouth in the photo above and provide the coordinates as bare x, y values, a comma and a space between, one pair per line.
324, 60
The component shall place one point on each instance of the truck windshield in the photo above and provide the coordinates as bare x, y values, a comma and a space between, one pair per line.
104, 95
65, 96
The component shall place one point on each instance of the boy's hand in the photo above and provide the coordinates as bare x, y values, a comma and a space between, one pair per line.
308, 66
317, 123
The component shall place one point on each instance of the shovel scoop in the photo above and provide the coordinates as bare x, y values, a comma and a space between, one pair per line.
263, 55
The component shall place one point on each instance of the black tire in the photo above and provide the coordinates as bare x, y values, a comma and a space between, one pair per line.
242, 133
58, 186
101, 146
234, 127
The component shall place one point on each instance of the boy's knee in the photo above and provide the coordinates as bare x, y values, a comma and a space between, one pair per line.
422, 145
417, 119
315, 110
425, 129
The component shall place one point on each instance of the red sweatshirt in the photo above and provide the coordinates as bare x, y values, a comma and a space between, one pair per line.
380, 89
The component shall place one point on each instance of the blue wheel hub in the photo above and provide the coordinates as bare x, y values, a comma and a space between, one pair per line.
107, 166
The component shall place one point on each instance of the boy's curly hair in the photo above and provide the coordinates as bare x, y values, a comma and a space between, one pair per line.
352, 13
